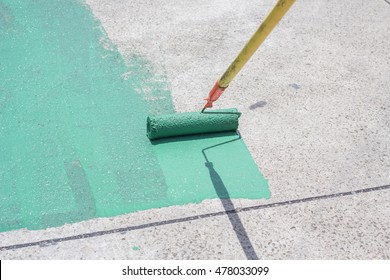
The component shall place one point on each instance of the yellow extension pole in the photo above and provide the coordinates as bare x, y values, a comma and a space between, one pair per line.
277, 13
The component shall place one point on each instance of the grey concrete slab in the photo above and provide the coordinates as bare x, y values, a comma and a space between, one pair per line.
109, 224
316, 113
353, 227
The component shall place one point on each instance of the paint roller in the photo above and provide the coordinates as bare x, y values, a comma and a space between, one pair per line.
211, 121
192, 123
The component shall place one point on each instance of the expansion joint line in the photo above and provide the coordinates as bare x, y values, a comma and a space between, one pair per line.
54, 241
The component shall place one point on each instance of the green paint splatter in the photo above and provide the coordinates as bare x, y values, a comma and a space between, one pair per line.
73, 142
135, 248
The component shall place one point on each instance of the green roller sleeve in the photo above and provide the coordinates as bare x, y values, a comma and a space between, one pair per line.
192, 123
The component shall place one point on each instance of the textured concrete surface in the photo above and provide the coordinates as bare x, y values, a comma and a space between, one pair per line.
316, 113
350, 227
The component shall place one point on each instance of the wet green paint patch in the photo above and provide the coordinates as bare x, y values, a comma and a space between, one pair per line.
72, 120
216, 165
73, 142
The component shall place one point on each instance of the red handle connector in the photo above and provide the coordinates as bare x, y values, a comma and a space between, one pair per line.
214, 94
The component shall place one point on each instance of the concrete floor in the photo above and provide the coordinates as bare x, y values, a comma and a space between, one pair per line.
316, 118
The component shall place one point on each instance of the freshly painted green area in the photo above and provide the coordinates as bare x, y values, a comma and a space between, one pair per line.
72, 120
190, 123
215, 165
73, 142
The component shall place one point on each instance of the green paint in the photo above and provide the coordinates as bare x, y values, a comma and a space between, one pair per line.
135, 248
73, 125
216, 165
72, 120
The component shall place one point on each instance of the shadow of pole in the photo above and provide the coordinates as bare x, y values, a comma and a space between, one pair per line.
228, 205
